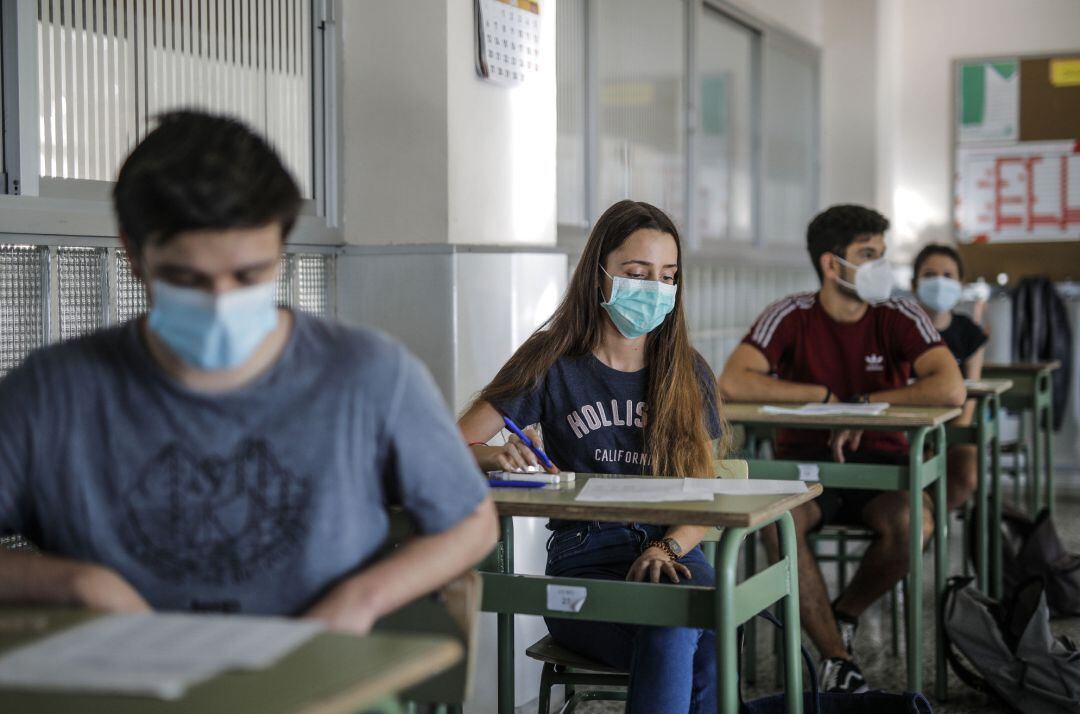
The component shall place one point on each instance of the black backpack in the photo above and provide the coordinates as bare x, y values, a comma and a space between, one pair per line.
1032, 550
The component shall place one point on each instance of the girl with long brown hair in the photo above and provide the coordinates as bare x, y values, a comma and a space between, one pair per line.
616, 387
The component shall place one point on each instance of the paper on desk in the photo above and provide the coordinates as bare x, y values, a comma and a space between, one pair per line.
158, 655
814, 409
744, 486
650, 490
686, 489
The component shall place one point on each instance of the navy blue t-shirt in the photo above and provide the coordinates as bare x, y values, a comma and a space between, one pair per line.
593, 416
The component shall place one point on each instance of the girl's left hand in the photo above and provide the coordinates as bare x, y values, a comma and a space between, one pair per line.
654, 561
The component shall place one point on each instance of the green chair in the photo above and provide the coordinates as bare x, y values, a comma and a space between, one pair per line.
570, 669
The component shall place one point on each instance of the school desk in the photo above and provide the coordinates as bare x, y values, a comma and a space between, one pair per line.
1033, 392
723, 608
332, 673
923, 426
985, 434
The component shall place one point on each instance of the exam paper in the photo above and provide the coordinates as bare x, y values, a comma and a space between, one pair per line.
649, 490
743, 486
685, 489
815, 409
158, 655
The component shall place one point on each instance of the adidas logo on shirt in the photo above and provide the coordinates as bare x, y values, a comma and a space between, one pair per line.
875, 363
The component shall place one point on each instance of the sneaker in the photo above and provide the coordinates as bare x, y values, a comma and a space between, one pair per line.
841, 675
848, 626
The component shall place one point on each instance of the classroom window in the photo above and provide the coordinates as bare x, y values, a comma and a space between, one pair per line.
24, 272
82, 282
790, 126
641, 69
724, 178
570, 110
87, 288
107, 68
129, 297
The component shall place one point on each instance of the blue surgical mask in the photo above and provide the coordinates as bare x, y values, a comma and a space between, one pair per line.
637, 307
209, 331
939, 293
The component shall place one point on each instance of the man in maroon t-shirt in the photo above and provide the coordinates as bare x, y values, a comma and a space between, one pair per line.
848, 342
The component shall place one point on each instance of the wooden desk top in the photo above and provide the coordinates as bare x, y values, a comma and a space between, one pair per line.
895, 418
983, 387
1021, 367
332, 673
724, 511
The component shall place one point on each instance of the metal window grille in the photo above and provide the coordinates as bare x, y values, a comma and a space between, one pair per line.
107, 68
284, 282
82, 284
313, 273
129, 298
23, 315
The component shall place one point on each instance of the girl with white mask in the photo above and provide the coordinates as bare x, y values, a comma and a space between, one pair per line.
936, 282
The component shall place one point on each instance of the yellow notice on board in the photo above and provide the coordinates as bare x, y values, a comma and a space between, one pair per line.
1065, 72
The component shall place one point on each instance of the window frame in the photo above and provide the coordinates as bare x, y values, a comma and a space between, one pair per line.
765, 36
53, 205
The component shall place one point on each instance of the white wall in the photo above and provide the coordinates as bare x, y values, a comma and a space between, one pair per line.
434, 154
930, 35
887, 83
394, 123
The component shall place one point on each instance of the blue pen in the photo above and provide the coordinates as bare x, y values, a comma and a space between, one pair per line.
528, 442
500, 483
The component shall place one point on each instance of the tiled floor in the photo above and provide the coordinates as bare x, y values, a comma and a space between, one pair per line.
873, 646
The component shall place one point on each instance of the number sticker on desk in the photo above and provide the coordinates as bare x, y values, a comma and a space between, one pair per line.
566, 598
508, 40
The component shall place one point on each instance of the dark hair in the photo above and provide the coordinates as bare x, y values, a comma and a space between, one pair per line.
937, 249
196, 171
835, 228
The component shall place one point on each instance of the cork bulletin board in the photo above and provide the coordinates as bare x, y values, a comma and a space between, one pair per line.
1016, 165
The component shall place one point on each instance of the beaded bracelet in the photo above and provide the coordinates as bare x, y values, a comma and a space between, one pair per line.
662, 545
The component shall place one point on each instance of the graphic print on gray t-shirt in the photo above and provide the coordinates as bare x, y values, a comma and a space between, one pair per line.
593, 416
214, 520
256, 500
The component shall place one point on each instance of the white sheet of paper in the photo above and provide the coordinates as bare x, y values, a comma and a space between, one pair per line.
158, 655
566, 598
649, 490
744, 486
814, 409
809, 472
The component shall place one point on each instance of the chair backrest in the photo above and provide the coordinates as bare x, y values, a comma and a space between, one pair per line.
452, 610
731, 468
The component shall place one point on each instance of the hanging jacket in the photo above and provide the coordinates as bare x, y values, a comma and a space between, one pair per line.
1041, 333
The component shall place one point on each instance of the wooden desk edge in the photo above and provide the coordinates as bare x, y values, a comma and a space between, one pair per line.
618, 512
984, 387
438, 658
1024, 367
820, 421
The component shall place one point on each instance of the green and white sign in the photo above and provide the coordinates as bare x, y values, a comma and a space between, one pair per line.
989, 101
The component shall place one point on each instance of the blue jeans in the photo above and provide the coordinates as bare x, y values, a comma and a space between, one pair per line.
672, 669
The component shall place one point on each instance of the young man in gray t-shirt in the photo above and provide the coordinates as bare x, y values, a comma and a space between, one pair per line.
222, 453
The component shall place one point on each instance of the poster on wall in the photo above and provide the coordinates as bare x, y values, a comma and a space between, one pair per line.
988, 101
1018, 192
507, 40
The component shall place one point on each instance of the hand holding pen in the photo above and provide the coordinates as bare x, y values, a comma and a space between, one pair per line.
523, 452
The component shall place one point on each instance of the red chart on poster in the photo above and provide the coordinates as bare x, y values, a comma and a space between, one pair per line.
1017, 192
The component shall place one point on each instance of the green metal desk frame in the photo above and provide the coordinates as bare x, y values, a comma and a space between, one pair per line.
922, 471
723, 608
985, 435
1033, 392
